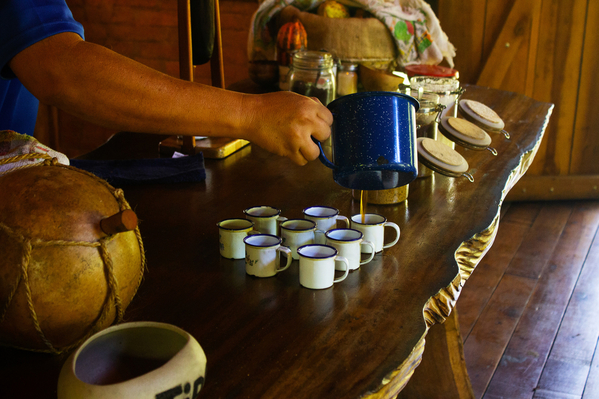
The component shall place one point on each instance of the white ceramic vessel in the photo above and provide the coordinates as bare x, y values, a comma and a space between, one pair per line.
135, 360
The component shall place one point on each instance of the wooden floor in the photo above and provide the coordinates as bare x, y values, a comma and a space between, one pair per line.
529, 312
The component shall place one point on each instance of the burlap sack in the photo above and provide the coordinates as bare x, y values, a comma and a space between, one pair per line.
349, 39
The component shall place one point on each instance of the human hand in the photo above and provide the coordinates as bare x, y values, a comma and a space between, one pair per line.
285, 122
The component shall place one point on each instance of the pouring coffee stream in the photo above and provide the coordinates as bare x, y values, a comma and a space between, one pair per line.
373, 140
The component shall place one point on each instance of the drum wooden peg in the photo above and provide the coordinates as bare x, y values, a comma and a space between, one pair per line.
120, 222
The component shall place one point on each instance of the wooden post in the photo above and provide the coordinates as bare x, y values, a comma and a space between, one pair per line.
185, 59
217, 70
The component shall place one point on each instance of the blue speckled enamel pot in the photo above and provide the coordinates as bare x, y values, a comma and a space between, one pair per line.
373, 140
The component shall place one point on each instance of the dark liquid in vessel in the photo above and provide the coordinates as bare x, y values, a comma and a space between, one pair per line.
123, 368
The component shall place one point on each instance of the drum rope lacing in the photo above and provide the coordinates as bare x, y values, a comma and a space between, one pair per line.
29, 243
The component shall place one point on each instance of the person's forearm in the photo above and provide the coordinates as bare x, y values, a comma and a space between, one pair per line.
111, 90
101, 86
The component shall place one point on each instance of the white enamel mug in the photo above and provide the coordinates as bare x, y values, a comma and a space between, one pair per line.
263, 255
317, 266
231, 233
325, 217
266, 218
373, 228
348, 243
298, 232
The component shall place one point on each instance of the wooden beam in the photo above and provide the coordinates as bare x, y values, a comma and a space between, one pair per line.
454, 15
543, 188
217, 70
185, 51
185, 59
558, 81
585, 149
533, 46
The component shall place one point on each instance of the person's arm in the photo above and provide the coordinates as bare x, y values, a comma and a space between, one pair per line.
101, 86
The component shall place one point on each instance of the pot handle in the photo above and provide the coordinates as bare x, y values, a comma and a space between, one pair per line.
323, 158
125, 220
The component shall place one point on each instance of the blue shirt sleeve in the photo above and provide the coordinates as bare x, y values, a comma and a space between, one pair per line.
25, 22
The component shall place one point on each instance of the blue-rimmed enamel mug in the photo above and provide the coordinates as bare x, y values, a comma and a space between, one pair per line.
373, 140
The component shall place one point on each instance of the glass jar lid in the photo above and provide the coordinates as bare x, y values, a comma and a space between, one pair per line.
442, 159
436, 85
482, 116
312, 60
466, 134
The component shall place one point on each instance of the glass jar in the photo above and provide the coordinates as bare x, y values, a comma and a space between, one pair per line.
449, 92
347, 78
312, 75
448, 89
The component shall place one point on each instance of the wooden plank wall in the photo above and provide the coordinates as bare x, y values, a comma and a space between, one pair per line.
586, 140
545, 49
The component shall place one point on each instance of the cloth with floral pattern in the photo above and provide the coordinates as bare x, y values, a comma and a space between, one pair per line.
13, 144
414, 27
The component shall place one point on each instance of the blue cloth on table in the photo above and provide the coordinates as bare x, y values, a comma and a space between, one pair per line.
146, 171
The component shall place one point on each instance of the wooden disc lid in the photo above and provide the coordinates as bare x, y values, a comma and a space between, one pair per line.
441, 158
465, 133
482, 116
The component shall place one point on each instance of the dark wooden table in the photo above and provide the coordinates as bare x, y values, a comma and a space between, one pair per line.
271, 338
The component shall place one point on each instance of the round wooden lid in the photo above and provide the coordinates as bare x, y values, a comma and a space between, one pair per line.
441, 158
468, 129
483, 111
464, 133
481, 115
442, 152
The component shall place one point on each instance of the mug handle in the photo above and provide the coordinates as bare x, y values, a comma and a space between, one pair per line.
289, 257
396, 227
343, 259
345, 219
372, 253
253, 232
323, 158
